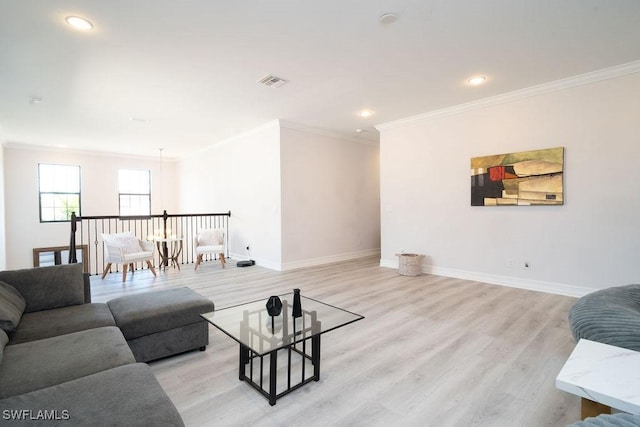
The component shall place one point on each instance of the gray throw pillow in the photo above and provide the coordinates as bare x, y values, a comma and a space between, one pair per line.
12, 305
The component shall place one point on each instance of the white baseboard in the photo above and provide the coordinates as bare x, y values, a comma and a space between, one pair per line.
312, 262
495, 279
262, 263
329, 259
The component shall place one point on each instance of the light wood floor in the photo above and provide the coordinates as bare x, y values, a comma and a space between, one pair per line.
431, 351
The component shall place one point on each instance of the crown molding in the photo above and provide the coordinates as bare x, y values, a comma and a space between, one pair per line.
541, 89
257, 129
279, 124
79, 151
330, 134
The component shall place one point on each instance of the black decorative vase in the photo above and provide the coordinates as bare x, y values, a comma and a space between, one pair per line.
274, 306
297, 306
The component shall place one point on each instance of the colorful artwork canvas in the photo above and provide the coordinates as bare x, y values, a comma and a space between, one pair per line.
524, 178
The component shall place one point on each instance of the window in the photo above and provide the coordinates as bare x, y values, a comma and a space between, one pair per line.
59, 192
135, 192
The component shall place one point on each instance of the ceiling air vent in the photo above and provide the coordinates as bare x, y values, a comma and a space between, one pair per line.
272, 81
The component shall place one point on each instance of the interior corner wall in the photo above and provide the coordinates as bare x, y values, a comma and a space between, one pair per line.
330, 198
3, 246
589, 243
99, 194
241, 175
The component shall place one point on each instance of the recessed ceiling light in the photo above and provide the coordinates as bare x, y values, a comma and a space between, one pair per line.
365, 113
79, 23
477, 80
388, 18
360, 130
138, 119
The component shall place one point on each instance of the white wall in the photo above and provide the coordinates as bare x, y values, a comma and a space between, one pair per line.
330, 198
296, 197
99, 194
591, 242
241, 175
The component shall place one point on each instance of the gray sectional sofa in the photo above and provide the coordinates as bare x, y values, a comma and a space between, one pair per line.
64, 360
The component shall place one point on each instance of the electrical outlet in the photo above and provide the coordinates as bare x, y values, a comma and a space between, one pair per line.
526, 265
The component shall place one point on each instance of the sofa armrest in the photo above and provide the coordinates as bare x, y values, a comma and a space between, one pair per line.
87, 287
113, 253
46, 288
146, 246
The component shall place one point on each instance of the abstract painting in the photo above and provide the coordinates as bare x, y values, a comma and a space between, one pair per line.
524, 178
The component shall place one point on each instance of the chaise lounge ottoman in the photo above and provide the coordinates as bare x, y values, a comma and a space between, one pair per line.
162, 323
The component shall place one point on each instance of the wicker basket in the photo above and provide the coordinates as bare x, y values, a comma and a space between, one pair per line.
410, 264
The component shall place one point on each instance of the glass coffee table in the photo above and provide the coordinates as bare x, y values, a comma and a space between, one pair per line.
262, 337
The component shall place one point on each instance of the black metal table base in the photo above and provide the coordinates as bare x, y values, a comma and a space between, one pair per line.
247, 357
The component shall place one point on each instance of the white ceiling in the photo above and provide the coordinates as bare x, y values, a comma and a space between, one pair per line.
190, 67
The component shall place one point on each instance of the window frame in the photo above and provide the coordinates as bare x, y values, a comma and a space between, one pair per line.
121, 194
58, 193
